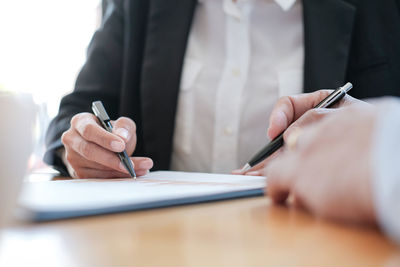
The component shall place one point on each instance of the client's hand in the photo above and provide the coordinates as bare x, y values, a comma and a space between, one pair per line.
289, 110
89, 150
287, 115
327, 166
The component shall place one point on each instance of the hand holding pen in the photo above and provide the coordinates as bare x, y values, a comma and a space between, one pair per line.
90, 151
292, 113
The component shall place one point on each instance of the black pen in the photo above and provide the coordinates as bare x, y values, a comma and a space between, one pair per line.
277, 143
101, 114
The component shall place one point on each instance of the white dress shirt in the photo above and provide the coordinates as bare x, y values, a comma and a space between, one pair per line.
241, 57
386, 160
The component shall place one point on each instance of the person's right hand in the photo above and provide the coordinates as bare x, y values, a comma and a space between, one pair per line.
90, 151
329, 169
293, 112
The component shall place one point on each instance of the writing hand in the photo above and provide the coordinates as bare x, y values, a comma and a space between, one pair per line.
90, 151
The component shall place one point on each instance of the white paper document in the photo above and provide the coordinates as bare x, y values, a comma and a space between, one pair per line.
73, 198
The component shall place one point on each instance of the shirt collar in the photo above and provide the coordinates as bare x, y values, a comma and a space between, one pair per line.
285, 4
232, 9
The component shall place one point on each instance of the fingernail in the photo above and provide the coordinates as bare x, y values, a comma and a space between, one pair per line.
122, 132
145, 164
117, 146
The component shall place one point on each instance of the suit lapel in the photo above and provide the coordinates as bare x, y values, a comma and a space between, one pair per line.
328, 26
166, 37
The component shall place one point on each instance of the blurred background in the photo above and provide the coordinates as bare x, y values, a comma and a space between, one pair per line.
42, 48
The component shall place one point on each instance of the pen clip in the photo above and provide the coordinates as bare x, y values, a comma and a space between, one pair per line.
100, 111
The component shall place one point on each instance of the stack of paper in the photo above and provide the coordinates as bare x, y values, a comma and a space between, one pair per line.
73, 198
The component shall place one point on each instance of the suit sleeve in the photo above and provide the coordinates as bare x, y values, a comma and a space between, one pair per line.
386, 176
99, 79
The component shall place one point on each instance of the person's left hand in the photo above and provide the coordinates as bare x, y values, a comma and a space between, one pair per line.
327, 168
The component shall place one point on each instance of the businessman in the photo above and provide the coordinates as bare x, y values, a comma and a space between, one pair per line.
191, 84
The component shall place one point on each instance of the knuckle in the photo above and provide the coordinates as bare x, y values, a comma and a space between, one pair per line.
311, 113
75, 119
85, 150
65, 138
321, 94
283, 100
317, 113
69, 158
87, 131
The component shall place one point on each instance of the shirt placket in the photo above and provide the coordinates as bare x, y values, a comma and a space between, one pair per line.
231, 86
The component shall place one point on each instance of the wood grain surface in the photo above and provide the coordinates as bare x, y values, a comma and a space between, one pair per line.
243, 232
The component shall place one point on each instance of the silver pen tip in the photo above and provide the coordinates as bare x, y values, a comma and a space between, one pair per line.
245, 168
347, 87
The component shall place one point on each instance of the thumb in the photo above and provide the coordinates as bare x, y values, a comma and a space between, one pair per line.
126, 129
278, 123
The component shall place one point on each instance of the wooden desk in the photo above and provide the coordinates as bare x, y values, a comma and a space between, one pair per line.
247, 232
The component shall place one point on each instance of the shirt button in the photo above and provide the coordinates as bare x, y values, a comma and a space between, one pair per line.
236, 72
228, 130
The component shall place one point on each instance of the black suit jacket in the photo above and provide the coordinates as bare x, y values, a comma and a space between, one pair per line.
135, 61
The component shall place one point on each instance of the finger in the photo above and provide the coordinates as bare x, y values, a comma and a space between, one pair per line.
310, 117
280, 177
260, 166
257, 167
258, 172
85, 173
278, 122
290, 108
255, 173
79, 167
77, 161
125, 128
142, 163
141, 172
96, 153
299, 203
86, 168
87, 126
68, 165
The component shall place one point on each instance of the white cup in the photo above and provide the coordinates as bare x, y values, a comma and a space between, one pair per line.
17, 118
